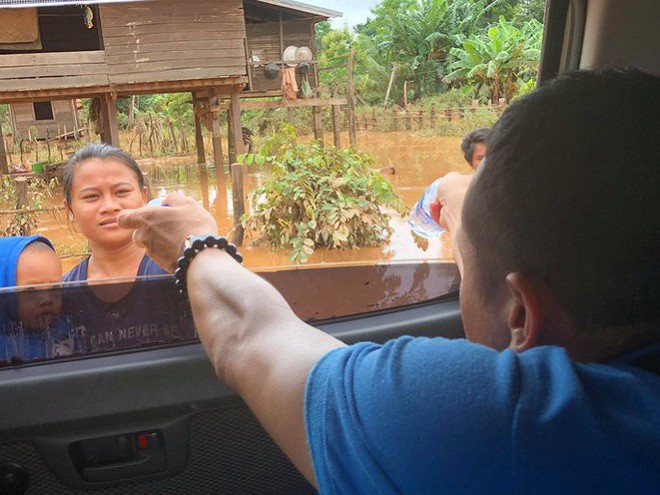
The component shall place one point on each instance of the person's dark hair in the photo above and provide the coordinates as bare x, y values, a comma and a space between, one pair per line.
569, 193
104, 152
473, 137
38, 246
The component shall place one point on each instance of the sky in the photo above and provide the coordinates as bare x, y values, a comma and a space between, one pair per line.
355, 11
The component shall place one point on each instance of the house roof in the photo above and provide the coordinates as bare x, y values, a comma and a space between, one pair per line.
302, 7
285, 4
54, 3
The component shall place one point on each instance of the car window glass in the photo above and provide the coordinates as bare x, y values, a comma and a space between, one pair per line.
76, 319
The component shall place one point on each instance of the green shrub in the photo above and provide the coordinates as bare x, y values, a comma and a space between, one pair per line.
318, 196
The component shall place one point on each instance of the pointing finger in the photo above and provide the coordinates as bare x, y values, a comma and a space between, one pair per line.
128, 219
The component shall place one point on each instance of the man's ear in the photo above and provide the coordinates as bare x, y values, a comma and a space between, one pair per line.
535, 316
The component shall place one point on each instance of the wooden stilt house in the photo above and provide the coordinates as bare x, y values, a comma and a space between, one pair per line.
107, 49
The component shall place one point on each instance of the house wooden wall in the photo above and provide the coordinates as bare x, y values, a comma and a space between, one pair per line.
263, 40
173, 40
23, 119
154, 44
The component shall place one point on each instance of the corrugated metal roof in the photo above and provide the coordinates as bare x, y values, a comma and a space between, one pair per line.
287, 4
56, 3
303, 7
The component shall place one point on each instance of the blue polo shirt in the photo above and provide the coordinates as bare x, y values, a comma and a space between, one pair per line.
438, 416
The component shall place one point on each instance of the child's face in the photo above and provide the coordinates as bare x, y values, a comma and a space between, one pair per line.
38, 308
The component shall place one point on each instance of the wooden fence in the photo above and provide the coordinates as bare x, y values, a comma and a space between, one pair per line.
397, 118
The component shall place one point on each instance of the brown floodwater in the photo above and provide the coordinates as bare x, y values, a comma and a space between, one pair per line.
417, 161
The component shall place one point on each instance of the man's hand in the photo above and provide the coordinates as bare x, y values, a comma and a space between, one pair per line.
451, 194
163, 230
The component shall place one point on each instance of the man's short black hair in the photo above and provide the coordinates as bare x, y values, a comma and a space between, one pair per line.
473, 137
570, 192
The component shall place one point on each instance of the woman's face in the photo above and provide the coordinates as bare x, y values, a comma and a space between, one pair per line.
102, 188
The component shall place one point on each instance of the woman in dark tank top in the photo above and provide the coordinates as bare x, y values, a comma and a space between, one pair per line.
99, 182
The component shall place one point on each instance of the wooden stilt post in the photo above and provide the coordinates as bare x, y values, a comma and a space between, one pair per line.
236, 126
199, 137
218, 158
20, 184
109, 119
231, 145
76, 119
336, 123
318, 125
204, 185
238, 200
352, 134
4, 164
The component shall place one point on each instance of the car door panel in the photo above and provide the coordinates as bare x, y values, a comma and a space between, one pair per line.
213, 443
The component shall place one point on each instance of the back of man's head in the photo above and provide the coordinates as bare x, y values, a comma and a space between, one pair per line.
570, 192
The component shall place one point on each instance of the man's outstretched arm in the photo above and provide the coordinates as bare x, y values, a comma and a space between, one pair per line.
256, 343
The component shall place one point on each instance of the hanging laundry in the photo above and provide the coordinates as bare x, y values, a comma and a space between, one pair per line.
306, 88
289, 83
88, 16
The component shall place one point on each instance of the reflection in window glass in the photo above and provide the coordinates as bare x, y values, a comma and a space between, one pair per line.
78, 319
93, 319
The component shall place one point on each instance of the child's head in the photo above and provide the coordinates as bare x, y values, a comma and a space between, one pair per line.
32, 261
38, 264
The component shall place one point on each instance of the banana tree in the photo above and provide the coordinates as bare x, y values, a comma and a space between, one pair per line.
498, 59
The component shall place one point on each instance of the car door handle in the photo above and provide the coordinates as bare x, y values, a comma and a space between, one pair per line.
142, 465
118, 457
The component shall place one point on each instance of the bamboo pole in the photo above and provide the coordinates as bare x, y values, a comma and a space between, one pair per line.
336, 122
317, 121
4, 164
352, 134
170, 124
390, 84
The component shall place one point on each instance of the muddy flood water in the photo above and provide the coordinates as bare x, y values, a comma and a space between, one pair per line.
417, 161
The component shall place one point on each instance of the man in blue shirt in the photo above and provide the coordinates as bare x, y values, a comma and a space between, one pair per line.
558, 390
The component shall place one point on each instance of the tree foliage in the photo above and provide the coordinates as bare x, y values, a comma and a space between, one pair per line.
499, 59
415, 41
319, 196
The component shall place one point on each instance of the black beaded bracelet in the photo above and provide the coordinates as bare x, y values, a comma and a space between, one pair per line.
193, 245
